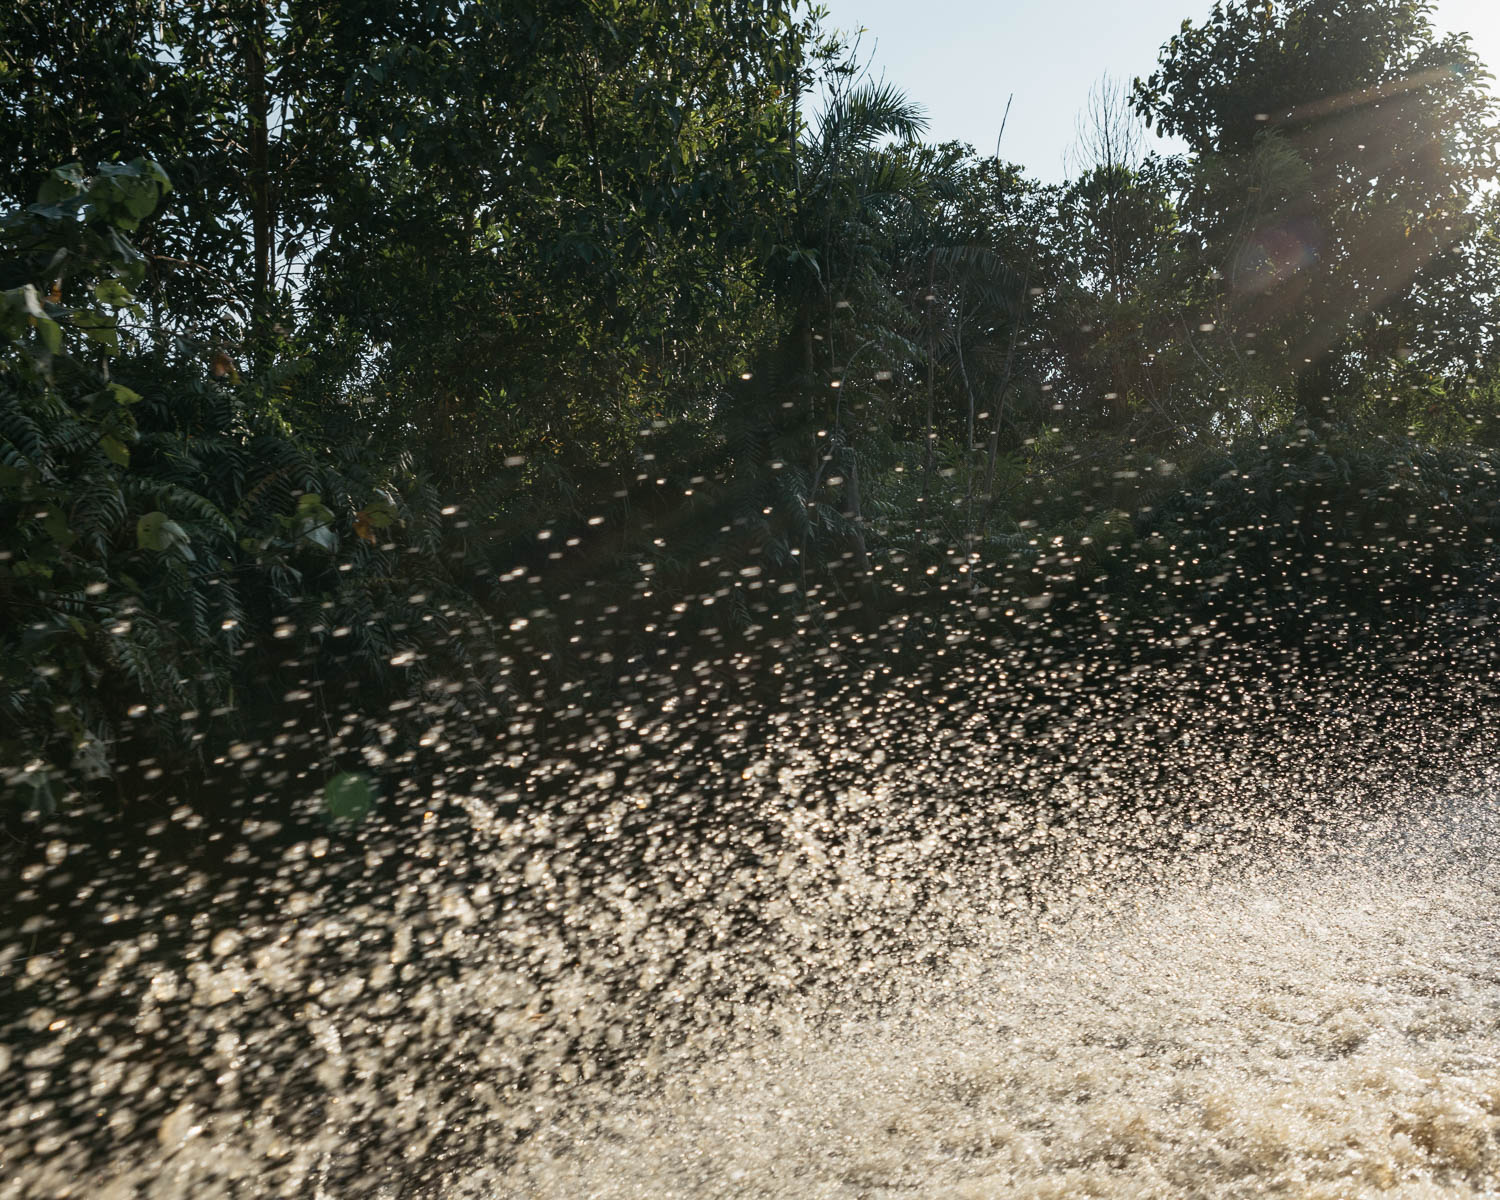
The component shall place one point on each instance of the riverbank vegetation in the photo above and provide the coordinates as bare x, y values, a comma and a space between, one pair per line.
360, 358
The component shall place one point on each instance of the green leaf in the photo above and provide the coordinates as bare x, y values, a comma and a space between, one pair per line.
314, 522
322, 536
310, 504
116, 450
56, 525
112, 292
50, 333
380, 514
149, 531
63, 183
123, 395
140, 200
348, 797
157, 531
153, 170
135, 261
108, 337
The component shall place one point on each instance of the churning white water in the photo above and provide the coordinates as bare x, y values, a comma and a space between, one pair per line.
869, 958
1328, 1031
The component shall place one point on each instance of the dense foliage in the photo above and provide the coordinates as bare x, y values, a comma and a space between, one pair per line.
383, 346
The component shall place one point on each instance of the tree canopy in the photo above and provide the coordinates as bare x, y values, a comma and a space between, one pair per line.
1345, 152
517, 318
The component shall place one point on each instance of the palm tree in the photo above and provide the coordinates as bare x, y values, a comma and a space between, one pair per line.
857, 191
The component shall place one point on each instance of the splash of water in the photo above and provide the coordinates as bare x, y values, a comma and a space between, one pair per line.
1329, 1035
1034, 927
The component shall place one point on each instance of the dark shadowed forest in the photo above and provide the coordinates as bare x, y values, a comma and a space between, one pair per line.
428, 429
516, 345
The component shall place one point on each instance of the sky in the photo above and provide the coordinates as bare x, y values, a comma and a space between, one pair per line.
960, 59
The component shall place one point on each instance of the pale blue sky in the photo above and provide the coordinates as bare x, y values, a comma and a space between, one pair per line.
961, 58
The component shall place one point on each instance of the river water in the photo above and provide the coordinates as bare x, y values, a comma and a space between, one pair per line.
1181, 939
1328, 1033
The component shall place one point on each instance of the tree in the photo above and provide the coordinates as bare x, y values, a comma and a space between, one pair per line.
1118, 228
565, 213
521, 228
105, 81
832, 273
1387, 135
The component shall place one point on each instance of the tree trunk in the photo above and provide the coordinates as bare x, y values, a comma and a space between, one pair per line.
805, 361
586, 89
864, 578
970, 538
928, 433
1010, 363
853, 510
